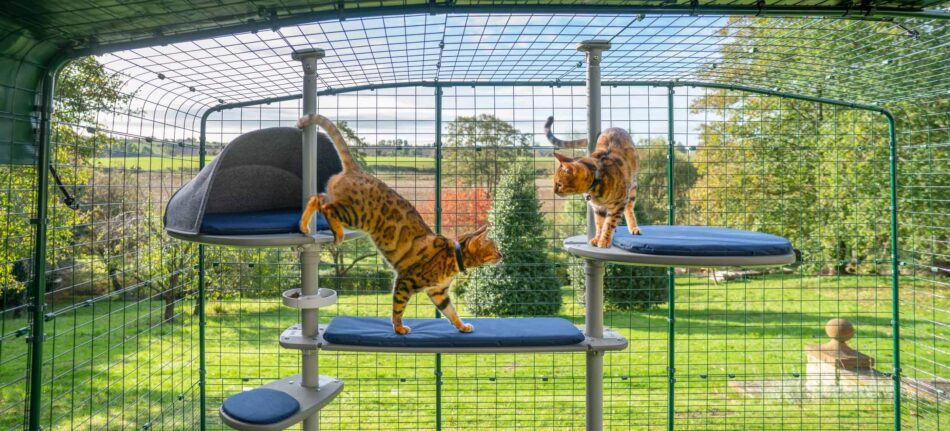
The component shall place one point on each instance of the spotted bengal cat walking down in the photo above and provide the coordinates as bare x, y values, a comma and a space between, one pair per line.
608, 177
421, 259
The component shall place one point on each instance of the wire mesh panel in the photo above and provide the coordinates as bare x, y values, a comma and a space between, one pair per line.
120, 345
454, 123
817, 175
924, 202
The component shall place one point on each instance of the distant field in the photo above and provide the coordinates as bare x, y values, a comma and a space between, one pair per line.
176, 163
168, 163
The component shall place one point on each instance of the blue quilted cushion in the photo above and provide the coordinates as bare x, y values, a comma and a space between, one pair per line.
257, 223
700, 241
501, 332
261, 406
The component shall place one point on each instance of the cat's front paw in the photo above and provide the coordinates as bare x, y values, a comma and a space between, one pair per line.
593, 241
402, 330
603, 244
634, 230
466, 327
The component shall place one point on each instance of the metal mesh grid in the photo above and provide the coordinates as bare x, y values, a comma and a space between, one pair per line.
120, 340
733, 338
864, 61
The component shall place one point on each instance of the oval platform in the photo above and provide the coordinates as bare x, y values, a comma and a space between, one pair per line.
688, 246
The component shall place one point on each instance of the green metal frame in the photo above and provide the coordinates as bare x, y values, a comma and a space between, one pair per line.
670, 86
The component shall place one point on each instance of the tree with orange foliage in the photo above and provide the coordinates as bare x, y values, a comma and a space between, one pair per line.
462, 210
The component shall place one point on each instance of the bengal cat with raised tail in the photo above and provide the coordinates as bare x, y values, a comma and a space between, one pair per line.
608, 177
421, 259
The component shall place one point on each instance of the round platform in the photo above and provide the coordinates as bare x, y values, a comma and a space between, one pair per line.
260, 406
271, 240
688, 246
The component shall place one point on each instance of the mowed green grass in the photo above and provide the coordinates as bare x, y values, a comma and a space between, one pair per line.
117, 365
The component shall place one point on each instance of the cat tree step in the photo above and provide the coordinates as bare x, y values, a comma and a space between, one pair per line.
278, 405
323, 298
501, 335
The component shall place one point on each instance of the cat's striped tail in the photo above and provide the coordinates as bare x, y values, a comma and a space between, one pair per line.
341, 149
577, 143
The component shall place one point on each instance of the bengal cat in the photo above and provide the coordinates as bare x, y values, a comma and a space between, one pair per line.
421, 259
608, 177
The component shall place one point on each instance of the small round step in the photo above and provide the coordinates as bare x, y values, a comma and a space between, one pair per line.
261, 406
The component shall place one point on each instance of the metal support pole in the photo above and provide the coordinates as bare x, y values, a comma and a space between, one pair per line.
438, 230
895, 271
40, 220
310, 254
202, 322
594, 270
671, 272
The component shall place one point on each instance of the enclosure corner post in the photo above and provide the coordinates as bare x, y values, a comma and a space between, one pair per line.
895, 269
310, 254
40, 220
202, 352
438, 230
594, 270
671, 271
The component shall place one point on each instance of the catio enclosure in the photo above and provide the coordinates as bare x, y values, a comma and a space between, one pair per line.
822, 122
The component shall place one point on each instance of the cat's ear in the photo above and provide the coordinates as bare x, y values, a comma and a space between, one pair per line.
467, 236
562, 158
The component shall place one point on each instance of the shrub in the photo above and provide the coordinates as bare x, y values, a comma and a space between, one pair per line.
626, 287
525, 282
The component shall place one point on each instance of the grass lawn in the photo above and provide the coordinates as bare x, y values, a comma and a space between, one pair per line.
115, 364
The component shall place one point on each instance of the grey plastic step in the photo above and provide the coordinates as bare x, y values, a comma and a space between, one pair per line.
311, 401
292, 338
578, 246
273, 240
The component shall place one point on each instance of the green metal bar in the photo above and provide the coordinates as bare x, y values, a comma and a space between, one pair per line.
895, 271
202, 322
671, 276
446, 84
438, 230
448, 7
38, 287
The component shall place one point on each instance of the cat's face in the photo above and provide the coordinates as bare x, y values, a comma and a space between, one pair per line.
479, 248
570, 177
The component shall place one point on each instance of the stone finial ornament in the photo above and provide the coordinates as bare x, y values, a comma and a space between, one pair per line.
837, 351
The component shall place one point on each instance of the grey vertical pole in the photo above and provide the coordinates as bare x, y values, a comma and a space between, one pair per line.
594, 270
310, 254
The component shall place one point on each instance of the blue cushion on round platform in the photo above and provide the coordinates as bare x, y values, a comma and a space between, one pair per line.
256, 223
700, 241
260, 406
490, 332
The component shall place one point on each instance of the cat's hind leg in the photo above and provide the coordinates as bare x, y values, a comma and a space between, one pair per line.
630, 216
313, 205
329, 211
440, 297
402, 291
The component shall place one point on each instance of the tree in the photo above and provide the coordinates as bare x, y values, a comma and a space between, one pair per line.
525, 282
479, 149
818, 173
462, 210
84, 89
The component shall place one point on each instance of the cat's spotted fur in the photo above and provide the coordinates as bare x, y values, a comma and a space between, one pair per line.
608, 176
421, 259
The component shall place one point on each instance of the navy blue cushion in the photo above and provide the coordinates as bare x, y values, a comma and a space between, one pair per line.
261, 406
501, 332
700, 241
257, 223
